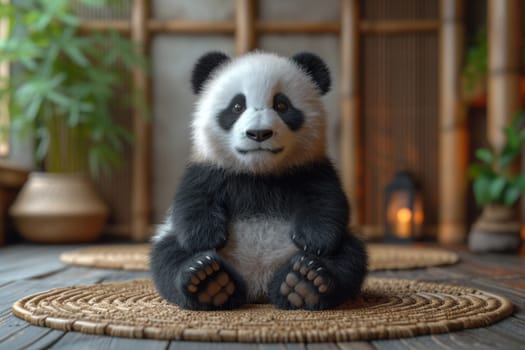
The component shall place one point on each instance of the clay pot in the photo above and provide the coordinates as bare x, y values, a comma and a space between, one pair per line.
59, 208
496, 230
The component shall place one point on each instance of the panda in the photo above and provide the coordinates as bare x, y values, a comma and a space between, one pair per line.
260, 214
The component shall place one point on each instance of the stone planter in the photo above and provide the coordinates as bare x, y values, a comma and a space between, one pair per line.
496, 230
59, 208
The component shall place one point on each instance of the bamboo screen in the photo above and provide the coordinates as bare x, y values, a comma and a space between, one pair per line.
387, 53
399, 110
116, 189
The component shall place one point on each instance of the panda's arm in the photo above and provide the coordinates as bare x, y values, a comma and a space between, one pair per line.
322, 215
199, 215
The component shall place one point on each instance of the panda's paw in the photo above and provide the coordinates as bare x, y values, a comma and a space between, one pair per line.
306, 284
207, 283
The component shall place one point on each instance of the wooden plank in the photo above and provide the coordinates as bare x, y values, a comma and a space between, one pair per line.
180, 26
46, 341
282, 346
356, 345
192, 345
504, 63
83, 275
322, 346
10, 293
81, 341
31, 269
97, 25
396, 27
18, 334
190, 27
18, 252
271, 346
453, 153
394, 344
289, 27
245, 36
20, 263
350, 143
141, 186
466, 339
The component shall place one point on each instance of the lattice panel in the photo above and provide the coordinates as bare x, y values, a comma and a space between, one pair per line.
399, 84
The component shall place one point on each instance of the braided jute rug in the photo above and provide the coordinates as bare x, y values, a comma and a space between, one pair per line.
388, 308
381, 257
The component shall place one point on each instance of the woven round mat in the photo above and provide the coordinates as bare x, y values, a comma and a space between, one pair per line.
388, 308
122, 257
381, 257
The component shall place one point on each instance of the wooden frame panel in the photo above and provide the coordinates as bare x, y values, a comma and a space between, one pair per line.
453, 133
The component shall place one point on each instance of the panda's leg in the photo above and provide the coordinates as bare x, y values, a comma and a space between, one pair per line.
312, 282
199, 281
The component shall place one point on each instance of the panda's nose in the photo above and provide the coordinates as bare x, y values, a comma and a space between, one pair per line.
259, 135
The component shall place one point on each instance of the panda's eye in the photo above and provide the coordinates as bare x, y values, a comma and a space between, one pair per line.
281, 107
237, 108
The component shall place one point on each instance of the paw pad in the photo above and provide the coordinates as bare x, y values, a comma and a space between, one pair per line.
305, 283
209, 283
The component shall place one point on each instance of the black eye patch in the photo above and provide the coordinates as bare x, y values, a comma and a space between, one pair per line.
292, 116
229, 115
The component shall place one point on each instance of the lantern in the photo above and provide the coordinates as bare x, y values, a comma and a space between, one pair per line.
403, 209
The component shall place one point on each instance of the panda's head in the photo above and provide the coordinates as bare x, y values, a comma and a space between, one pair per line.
260, 112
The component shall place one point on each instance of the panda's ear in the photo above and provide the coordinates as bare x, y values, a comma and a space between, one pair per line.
205, 65
315, 67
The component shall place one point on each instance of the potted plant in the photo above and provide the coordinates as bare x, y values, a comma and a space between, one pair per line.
474, 75
62, 91
497, 187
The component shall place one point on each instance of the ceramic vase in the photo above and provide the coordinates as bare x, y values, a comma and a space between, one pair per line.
59, 208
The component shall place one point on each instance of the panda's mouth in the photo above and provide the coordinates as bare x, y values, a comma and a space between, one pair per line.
260, 149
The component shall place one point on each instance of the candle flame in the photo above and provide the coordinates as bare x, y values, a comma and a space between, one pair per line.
404, 215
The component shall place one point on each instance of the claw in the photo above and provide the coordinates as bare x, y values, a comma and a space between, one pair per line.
208, 257
294, 237
192, 268
319, 269
318, 251
304, 248
302, 258
200, 262
310, 262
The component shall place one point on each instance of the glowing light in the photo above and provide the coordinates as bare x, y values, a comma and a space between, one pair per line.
403, 222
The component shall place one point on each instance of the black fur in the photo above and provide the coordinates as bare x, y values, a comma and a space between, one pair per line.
204, 67
310, 196
315, 67
292, 116
228, 116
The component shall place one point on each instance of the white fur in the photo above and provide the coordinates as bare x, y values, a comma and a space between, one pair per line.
259, 76
165, 228
256, 247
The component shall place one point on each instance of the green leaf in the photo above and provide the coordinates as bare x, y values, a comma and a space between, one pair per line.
481, 188
43, 141
513, 138
485, 155
496, 189
519, 182
522, 135
58, 98
508, 155
476, 170
76, 55
512, 194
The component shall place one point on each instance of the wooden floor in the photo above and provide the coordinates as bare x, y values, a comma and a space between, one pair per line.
26, 269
